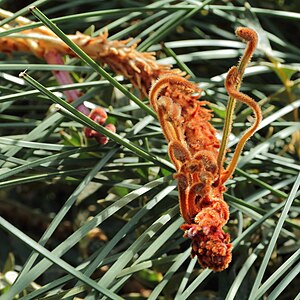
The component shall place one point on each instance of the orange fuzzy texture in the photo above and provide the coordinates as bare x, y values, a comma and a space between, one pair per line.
230, 85
193, 148
141, 68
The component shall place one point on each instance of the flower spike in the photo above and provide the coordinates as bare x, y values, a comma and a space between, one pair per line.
196, 154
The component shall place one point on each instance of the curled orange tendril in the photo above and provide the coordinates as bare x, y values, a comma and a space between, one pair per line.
250, 38
194, 148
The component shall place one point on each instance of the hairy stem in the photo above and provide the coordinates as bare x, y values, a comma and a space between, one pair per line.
250, 37
230, 84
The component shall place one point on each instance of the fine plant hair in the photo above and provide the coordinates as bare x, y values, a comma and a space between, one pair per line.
149, 149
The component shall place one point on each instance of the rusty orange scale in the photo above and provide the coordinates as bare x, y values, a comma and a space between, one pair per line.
198, 158
185, 121
193, 148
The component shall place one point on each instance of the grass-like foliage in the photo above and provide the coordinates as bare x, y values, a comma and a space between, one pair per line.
81, 219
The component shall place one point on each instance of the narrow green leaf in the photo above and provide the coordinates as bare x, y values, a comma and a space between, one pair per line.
273, 240
89, 61
50, 256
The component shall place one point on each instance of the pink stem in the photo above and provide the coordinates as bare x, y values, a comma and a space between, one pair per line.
98, 114
63, 77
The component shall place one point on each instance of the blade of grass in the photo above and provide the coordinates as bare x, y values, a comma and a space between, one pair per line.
264, 146
143, 23
128, 17
18, 95
81, 54
150, 251
124, 11
181, 258
178, 18
201, 56
53, 121
180, 63
43, 67
240, 277
139, 126
281, 286
89, 15
44, 177
67, 206
259, 11
256, 213
262, 269
34, 145
195, 284
45, 162
99, 256
279, 160
185, 278
54, 259
39, 268
280, 272
22, 11
43, 130
109, 277
90, 123
275, 116
126, 228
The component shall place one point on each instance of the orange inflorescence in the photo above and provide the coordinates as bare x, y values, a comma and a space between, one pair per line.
141, 68
185, 121
193, 148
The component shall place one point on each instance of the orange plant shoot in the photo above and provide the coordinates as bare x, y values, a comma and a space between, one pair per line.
195, 152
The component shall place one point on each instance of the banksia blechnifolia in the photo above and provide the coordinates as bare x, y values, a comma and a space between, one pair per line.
194, 150
193, 147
